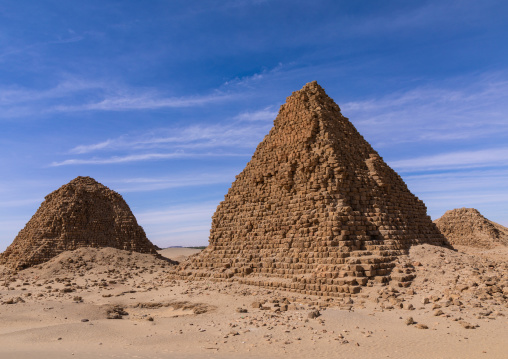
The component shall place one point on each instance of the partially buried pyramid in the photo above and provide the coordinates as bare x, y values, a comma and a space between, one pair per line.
468, 227
82, 213
316, 210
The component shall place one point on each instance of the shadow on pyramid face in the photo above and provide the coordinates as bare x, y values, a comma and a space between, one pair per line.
82, 213
316, 210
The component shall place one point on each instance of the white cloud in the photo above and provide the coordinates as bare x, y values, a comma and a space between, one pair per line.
251, 80
178, 224
140, 157
182, 180
86, 95
203, 136
90, 148
433, 16
483, 189
243, 131
454, 160
142, 102
20, 202
267, 114
454, 111
471, 181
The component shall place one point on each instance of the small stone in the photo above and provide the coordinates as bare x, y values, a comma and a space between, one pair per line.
313, 314
466, 325
408, 306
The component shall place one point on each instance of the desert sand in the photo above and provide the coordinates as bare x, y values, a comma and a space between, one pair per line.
60, 309
319, 249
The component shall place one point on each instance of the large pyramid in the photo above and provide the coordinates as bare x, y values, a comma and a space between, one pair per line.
467, 226
82, 213
316, 210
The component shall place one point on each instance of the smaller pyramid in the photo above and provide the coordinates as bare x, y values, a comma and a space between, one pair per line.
82, 213
467, 227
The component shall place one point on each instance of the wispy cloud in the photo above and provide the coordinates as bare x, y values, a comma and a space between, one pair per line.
182, 180
227, 139
431, 16
467, 180
122, 102
34, 48
91, 148
141, 157
20, 202
455, 160
267, 114
463, 188
452, 112
189, 137
87, 95
485, 189
182, 224
253, 79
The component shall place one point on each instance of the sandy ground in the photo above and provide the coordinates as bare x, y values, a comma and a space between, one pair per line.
178, 254
61, 308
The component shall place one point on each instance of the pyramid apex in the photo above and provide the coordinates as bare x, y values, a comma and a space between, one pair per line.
313, 85
312, 97
83, 179
311, 88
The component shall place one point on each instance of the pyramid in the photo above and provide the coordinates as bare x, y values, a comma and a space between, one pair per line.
467, 226
82, 213
316, 210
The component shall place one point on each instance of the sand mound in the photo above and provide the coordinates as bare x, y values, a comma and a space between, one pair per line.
447, 282
466, 226
82, 213
452, 270
87, 260
316, 210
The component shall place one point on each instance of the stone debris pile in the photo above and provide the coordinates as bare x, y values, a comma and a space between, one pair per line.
316, 210
82, 213
467, 226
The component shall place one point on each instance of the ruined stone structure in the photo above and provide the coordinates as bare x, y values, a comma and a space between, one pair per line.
467, 227
316, 210
82, 213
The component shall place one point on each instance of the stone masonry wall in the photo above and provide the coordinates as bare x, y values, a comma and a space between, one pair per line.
316, 210
82, 213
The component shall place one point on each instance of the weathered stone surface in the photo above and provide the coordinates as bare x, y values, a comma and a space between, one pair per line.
316, 210
467, 226
82, 213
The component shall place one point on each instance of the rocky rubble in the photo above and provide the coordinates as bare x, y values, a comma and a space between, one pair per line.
109, 271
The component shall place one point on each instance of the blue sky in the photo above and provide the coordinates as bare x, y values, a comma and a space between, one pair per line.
165, 101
